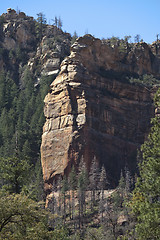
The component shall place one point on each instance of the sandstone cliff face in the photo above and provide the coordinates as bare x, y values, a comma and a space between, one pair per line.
92, 110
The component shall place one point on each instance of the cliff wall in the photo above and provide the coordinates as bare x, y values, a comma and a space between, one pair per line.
93, 110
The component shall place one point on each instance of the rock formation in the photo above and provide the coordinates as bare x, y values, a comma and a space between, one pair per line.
18, 34
92, 110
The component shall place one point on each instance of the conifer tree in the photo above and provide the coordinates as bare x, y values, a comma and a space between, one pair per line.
40, 25
55, 21
128, 182
2, 21
59, 23
82, 187
14, 172
59, 187
93, 180
103, 183
74, 37
64, 190
146, 197
121, 189
73, 186
2, 90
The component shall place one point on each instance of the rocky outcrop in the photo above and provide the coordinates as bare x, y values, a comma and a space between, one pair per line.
92, 110
22, 45
18, 30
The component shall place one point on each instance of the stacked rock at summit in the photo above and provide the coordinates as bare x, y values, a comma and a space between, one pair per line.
92, 110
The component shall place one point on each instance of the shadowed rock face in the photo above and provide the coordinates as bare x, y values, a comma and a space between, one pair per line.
92, 110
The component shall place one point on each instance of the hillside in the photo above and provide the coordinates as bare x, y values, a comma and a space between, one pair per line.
30, 56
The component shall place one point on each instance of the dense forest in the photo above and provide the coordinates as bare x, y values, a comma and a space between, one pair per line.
82, 205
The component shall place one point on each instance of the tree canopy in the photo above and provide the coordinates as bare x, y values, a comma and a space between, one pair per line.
21, 218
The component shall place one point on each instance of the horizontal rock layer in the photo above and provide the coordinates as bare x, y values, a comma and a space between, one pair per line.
92, 110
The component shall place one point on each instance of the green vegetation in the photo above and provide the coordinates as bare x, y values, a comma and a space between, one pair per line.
83, 205
145, 202
57, 22
126, 77
145, 80
2, 21
14, 173
123, 45
21, 218
40, 25
21, 118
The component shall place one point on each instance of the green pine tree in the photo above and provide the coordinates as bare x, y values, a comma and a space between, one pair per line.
40, 25
14, 173
146, 197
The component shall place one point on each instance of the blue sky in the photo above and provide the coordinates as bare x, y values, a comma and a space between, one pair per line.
101, 18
